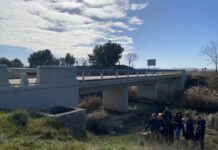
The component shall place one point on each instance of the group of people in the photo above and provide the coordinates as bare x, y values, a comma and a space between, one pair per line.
164, 126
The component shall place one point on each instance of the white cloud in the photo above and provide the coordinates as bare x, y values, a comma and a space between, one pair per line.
73, 26
135, 21
139, 6
99, 2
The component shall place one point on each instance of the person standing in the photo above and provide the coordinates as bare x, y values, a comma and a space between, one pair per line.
178, 124
153, 126
188, 129
167, 116
200, 131
162, 126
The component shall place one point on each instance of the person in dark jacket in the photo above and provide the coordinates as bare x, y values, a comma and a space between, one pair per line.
167, 114
169, 134
153, 125
200, 131
188, 129
178, 124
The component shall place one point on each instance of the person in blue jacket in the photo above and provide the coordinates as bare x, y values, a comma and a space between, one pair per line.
178, 124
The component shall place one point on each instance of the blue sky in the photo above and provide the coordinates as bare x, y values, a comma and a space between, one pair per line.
172, 31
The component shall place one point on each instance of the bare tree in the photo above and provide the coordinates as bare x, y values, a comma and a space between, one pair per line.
82, 61
211, 52
131, 57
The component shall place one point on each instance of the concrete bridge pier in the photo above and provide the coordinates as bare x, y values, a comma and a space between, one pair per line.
116, 99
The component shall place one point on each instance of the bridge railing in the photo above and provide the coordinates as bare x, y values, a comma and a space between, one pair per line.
123, 73
96, 74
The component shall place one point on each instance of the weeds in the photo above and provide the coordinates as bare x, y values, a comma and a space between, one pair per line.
95, 122
20, 118
91, 103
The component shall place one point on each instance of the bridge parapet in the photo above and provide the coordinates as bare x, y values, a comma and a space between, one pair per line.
56, 75
56, 86
84, 74
4, 76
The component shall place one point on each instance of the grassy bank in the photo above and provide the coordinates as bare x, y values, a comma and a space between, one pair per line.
23, 130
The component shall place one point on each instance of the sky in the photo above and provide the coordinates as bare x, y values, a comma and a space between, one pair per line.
171, 31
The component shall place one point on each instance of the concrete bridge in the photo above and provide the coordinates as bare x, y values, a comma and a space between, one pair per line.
61, 86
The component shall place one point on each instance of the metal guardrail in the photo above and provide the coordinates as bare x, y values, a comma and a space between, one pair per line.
93, 71
15, 73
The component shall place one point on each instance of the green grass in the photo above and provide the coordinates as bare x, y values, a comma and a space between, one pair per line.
41, 133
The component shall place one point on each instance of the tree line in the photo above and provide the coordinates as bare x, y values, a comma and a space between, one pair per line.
107, 54
11, 63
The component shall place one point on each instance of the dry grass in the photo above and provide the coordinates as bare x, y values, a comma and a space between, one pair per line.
91, 103
201, 97
209, 79
212, 121
96, 122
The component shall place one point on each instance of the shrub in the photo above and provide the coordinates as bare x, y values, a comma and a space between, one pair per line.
209, 79
48, 133
91, 103
213, 82
20, 118
201, 97
212, 121
96, 122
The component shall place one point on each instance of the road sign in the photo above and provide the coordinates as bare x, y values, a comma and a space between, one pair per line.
151, 62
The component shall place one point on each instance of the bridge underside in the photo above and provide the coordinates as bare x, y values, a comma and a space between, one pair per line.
116, 99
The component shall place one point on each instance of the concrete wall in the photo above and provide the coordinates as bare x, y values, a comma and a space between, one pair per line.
55, 75
3, 76
56, 86
74, 119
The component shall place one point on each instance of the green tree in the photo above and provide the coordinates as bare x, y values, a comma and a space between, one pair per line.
42, 57
69, 59
16, 63
5, 61
107, 54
